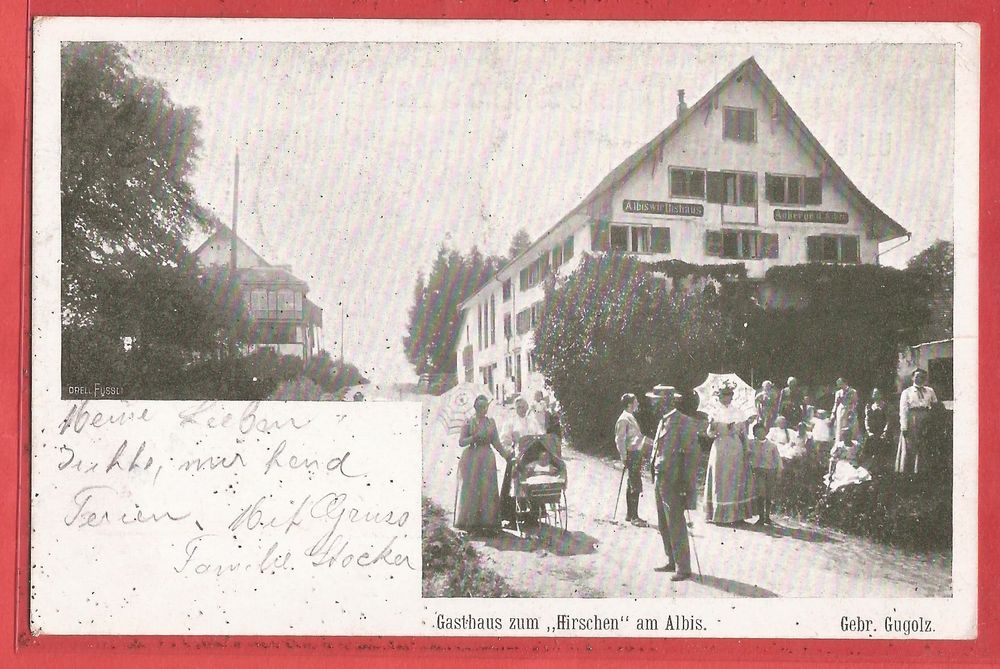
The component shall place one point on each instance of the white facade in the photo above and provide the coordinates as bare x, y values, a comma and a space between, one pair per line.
736, 178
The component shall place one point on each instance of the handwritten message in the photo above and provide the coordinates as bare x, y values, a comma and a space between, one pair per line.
259, 517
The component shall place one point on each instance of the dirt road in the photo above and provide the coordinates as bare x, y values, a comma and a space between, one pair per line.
598, 557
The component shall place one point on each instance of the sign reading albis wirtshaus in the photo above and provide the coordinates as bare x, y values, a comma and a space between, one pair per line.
662, 208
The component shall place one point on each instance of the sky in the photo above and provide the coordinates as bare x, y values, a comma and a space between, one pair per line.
358, 160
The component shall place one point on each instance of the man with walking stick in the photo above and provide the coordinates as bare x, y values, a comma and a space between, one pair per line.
675, 479
629, 440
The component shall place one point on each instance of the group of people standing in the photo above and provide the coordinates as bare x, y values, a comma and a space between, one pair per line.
853, 430
481, 507
747, 451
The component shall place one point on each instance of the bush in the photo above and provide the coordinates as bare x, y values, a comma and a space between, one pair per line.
298, 389
619, 325
907, 511
613, 326
452, 567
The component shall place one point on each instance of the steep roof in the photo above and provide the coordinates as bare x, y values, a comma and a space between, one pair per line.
891, 229
265, 273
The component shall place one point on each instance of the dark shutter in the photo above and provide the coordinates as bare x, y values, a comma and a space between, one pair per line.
774, 188
716, 188
713, 243
748, 189
568, 248
600, 236
660, 241
814, 249
770, 245
678, 182
814, 190
849, 250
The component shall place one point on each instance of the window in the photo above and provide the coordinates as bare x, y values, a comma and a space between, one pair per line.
568, 249
507, 330
557, 256
479, 327
741, 244
493, 319
640, 239
793, 189
523, 321
740, 188
686, 182
739, 124
508, 290
532, 275
941, 373
833, 249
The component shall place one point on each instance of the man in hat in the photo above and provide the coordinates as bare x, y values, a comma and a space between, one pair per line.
629, 441
675, 478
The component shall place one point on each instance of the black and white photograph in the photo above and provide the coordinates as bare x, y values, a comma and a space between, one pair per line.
683, 316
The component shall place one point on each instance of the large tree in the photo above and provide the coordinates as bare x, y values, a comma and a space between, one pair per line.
434, 317
934, 270
127, 155
134, 308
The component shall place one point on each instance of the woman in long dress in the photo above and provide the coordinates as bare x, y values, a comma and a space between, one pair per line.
915, 405
845, 413
477, 505
729, 496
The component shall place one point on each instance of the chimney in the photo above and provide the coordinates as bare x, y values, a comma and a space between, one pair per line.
681, 105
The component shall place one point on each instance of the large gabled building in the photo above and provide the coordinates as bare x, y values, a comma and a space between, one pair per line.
737, 177
284, 319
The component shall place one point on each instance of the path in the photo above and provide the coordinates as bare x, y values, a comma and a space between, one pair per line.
598, 557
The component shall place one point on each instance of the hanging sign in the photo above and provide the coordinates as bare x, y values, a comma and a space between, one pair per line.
663, 208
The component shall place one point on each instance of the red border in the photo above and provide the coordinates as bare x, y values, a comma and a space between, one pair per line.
23, 650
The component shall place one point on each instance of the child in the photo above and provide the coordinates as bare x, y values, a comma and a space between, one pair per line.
542, 466
844, 469
766, 462
822, 433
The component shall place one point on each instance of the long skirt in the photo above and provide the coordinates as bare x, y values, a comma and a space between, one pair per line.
908, 452
478, 501
729, 495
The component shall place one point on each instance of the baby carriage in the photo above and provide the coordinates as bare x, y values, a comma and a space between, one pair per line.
538, 482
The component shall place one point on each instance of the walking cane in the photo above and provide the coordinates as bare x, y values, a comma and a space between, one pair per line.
619, 495
694, 547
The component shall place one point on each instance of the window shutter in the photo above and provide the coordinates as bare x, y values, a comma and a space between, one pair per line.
814, 249
814, 190
748, 189
713, 243
849, 250
770, 245
660, 240
716, 188
600, 236
568, 248
774, 188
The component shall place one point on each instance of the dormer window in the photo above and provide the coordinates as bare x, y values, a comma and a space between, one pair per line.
739, 124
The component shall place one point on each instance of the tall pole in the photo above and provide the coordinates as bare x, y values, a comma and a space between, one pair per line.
236, 205
342, 306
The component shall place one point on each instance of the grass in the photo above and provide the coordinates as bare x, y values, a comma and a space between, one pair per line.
451, 566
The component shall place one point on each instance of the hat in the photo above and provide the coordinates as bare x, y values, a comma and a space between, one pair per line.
663, 392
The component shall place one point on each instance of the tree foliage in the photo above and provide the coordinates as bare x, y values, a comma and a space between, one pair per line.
617, 325
519, 243
127, 154
434, 317
613, 327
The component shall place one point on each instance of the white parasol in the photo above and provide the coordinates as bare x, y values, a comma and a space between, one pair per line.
456, 406
743, 394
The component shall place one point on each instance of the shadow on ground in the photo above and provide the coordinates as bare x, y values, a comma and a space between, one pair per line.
801, 533
553, 540
737, 588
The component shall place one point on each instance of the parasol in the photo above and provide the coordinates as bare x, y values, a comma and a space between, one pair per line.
456, 406
743, 394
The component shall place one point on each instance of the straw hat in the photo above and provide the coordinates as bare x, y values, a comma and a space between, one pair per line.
663, 392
